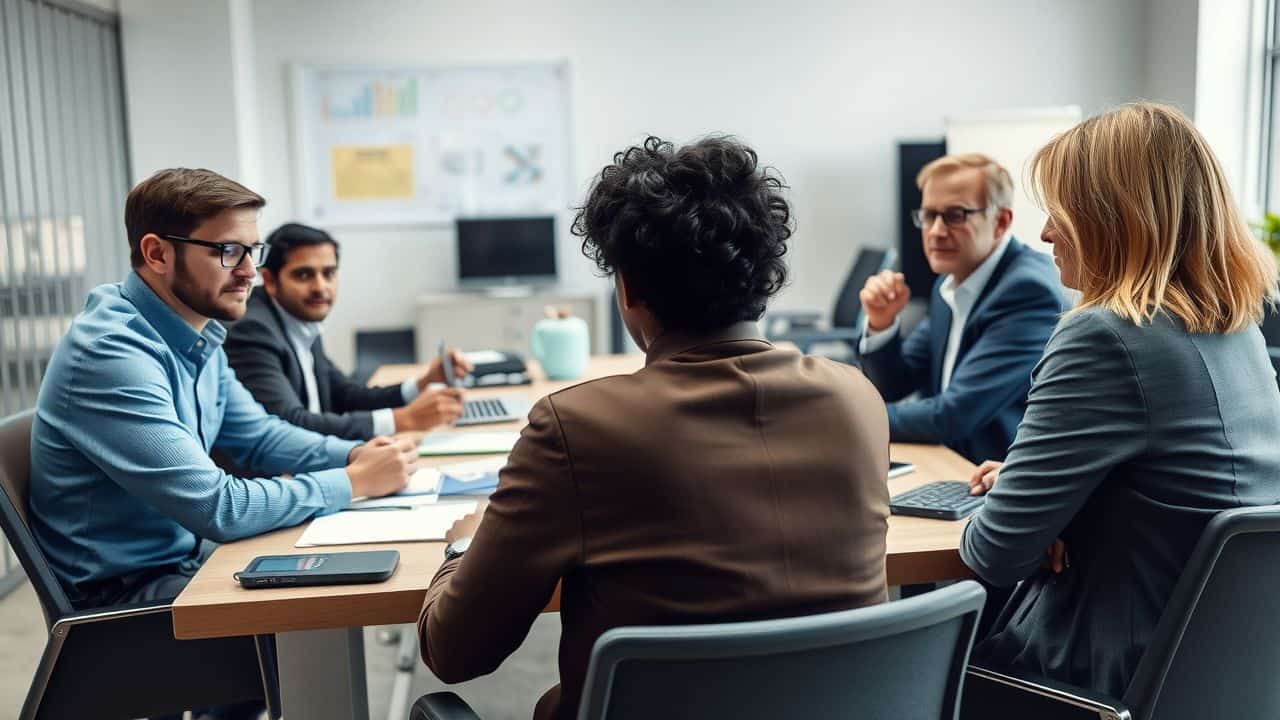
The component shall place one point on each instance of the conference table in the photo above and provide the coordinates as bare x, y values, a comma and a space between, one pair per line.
318, 630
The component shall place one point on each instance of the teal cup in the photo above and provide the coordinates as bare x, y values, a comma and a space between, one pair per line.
561, 347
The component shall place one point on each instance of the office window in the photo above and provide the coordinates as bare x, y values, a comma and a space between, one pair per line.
63, 177
1268, 187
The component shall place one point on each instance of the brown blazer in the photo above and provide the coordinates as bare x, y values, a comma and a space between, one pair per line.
727, 480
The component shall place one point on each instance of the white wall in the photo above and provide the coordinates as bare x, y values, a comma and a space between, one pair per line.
1171, 52
188, 68
822, 89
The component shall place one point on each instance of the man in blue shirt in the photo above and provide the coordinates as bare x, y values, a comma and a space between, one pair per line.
124, 494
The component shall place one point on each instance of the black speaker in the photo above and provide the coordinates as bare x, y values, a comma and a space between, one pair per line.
912, 157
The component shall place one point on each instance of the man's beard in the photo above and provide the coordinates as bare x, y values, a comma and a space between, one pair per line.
183, 280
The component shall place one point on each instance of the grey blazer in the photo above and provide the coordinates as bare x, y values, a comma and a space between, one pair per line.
1133, 438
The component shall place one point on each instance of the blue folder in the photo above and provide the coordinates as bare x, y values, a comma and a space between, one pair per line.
481, 484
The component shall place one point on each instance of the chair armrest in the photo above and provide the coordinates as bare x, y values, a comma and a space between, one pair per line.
115, 612
1090, 702
441, 706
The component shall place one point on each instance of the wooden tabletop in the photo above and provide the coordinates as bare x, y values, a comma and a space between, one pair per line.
214, 604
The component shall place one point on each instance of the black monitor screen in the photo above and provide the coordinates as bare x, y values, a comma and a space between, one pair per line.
496, 248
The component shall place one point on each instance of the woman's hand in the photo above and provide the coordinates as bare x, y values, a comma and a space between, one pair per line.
984, 477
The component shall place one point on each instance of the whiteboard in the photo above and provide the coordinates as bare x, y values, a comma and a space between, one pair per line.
423, 145
1010, 138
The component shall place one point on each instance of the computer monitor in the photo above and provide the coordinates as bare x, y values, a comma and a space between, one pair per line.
506, 251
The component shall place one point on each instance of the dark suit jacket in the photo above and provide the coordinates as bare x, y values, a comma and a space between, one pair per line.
1003, 339
727, 480
265, 362
1134, 438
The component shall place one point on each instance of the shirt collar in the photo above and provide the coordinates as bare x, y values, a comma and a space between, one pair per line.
675, 342
301, 333
961, 297
177, 334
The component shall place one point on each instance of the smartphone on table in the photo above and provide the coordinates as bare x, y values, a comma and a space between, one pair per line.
267, 571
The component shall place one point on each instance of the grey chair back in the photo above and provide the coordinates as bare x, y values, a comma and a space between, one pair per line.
15, 477
902, 659
1216, 650
848, 309
375, 348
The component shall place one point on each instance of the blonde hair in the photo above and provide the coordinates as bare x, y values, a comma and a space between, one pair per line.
999, 183
1142, 199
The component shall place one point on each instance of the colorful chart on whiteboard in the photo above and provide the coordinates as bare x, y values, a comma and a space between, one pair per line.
378, 146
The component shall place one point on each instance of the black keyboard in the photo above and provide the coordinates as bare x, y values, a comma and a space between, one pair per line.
944, 499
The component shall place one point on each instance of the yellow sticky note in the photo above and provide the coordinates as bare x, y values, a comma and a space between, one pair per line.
372, 172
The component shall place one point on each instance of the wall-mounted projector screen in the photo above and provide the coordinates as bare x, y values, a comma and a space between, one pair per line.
1011, 137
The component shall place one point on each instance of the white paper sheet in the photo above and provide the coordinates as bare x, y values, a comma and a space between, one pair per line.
351, 527
479, 357
468, 443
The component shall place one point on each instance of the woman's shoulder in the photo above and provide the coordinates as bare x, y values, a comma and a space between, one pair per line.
1091, 326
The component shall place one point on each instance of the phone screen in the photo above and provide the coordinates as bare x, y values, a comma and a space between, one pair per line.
287, 563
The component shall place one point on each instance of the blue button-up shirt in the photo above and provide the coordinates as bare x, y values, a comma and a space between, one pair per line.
132, 403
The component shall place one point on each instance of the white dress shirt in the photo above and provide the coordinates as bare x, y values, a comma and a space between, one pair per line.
960, 298
302, 336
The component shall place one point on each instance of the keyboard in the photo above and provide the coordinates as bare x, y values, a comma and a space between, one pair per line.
491, 410
944, 499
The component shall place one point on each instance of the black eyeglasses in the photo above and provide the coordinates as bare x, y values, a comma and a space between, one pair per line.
232, 254
951, 217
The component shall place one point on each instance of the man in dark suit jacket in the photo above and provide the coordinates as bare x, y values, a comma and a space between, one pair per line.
726, 480
990, 315
277, 353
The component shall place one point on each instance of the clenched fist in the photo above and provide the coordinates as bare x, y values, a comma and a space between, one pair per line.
883, 297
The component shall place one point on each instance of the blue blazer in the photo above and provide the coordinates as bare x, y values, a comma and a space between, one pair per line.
978, 414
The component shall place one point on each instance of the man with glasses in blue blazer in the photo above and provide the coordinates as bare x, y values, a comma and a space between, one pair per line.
961, 377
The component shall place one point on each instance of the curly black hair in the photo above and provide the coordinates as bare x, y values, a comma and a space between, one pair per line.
698, 232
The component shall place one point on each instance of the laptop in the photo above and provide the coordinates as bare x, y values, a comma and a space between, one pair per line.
484, 410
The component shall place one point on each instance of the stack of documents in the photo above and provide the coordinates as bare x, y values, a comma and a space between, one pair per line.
474, 477
421, 524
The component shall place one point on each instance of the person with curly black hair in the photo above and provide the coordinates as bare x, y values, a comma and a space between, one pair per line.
726, 480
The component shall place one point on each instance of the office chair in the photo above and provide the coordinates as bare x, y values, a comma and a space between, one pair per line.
902, 659
801, 328
1214, 653
1270, 327
375, 348
123, 661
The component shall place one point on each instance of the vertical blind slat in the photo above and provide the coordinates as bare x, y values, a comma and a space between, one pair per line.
8, 401
116, 142
9, 192
38, 280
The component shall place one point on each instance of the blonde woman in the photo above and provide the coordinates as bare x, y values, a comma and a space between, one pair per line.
1154, 407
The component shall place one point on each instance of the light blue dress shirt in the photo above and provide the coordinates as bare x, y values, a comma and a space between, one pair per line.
132, 403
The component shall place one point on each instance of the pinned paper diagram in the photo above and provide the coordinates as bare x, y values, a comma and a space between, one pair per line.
407, 145
372, 172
